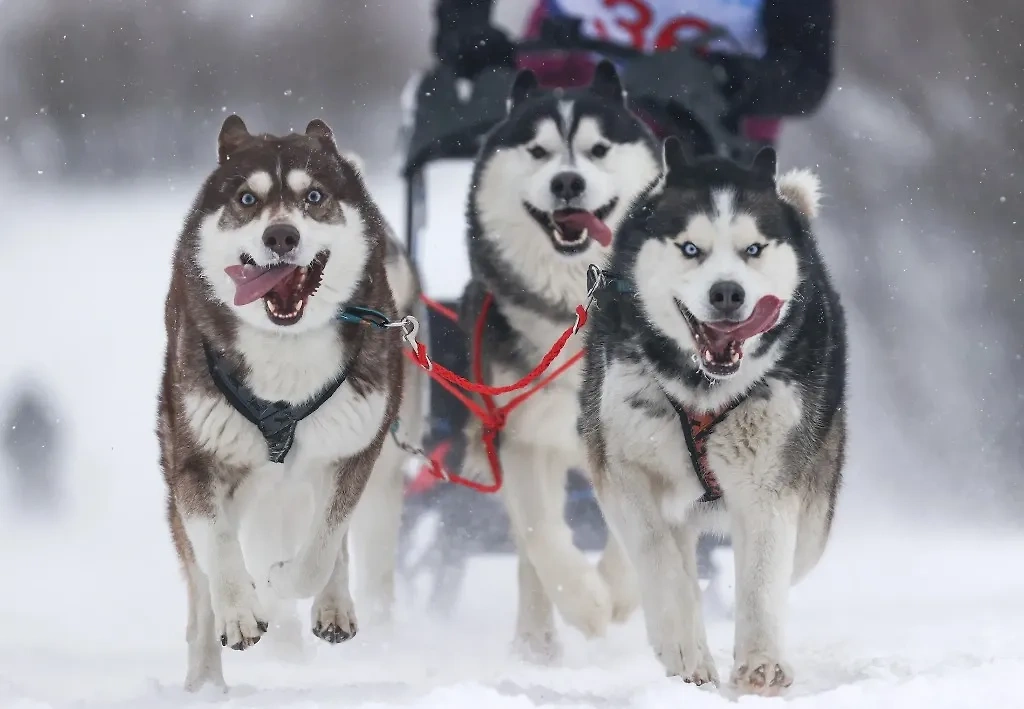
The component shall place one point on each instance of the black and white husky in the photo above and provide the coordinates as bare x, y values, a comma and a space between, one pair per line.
713, 398
273, 412
550, 185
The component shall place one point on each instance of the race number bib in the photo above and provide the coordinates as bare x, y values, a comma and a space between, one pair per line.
655, 25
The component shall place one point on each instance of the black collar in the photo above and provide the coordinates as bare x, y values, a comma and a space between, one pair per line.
276, 420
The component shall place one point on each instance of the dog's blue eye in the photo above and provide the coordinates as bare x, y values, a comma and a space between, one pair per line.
755, 249
247, 199
314, 196
690, 250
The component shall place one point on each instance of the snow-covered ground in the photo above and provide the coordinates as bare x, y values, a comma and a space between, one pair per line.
92, 610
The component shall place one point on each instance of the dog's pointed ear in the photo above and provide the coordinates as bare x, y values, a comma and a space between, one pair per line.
318, 129
606, 82
765, 163
801, 189
524, 84
233, 134
355, 160
676, 158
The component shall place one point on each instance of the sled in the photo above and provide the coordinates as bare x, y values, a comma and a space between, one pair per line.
444, 525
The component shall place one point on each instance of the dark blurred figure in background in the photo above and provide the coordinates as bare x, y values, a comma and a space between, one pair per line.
31, 443
773, 60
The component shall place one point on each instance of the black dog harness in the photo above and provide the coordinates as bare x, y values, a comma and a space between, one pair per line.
697, 428
276, 420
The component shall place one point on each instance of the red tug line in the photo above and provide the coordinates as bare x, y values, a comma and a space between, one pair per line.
492, 416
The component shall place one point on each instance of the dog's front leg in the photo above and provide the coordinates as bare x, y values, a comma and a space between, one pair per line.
617, 571
321, 566
204, 660
307, 573
687, 536
334, 613
675, 627
534, 493
239, 620
536, 638
764, 541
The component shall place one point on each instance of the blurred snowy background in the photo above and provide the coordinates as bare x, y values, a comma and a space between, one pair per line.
109, 111
919, 147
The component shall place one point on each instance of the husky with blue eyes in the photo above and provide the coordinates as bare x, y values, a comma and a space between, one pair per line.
714, 400
273, 412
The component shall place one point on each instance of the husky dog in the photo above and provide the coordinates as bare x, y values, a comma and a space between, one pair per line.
551, 182
263, 386
713, 398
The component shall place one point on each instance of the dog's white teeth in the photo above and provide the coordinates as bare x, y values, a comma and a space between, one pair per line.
585, 235
707, 356
735, 357
271, 307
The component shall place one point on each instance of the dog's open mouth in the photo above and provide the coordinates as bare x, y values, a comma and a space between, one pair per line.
285, 287
571, 230
720, 343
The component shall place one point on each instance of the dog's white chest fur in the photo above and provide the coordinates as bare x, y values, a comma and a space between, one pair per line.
292, 369
640, 425
743, 451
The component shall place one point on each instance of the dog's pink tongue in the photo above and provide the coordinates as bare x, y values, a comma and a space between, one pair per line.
254, 282
579, 221
766, 313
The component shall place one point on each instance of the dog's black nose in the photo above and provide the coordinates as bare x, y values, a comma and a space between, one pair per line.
726, 297
567, 186
281, 238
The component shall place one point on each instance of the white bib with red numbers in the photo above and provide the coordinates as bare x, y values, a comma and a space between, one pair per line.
659, 24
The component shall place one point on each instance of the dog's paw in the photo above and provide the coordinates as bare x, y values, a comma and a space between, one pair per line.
334, 619
760, 674
205, 672
539, 648
204, 665
240, 625
688, 663
209, 683
585, 602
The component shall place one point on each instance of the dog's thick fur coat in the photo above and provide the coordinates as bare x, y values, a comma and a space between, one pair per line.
708, 228
215, 461
556, 152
